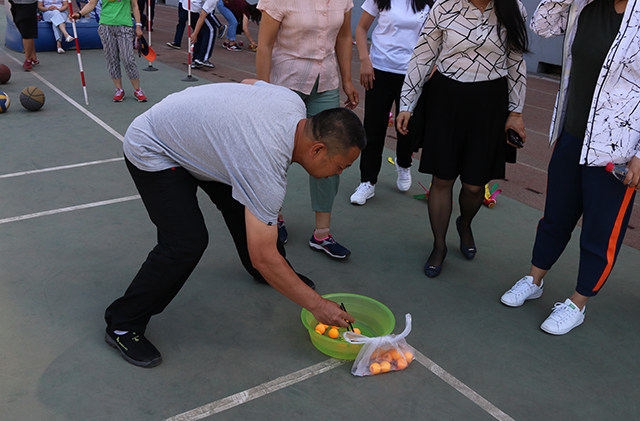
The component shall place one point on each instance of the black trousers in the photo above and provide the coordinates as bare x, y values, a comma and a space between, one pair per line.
377, 104
170, 199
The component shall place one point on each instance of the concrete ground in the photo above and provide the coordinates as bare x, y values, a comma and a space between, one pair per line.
73, 232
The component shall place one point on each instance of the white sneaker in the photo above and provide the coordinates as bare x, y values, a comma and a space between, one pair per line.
564, 317
522, 291
363, 192
404, 177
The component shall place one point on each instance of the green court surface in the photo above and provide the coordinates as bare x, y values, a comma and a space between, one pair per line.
73, 233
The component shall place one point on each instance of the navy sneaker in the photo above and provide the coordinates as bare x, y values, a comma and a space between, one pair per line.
283, 235
135, 348
329, 246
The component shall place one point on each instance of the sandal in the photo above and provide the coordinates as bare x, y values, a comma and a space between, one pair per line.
60, 51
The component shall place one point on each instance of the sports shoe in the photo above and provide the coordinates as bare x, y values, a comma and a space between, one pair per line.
195, 65
173, 45
404, 177
198, 61
225, 44
223, 31
363, 192
140, 95
329, 246
282, 231
522, 291
135, 348
232, 46
207, 63
27, 65
564, 317
119, 96
35, 61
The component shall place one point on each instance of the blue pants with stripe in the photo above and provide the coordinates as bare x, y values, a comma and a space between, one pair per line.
605, 204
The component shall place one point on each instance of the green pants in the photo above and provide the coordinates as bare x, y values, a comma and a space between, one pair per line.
323, 191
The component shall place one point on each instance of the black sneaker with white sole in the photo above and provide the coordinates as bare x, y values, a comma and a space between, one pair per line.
135, 348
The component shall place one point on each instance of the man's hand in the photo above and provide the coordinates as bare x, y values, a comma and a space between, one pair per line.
329, 313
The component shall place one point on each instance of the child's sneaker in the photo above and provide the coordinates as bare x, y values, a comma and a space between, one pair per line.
119, 96
329, 246
207, 63
564, 317
522, 291
232, 46
222, 31
140, 95
173, 45
363, 192
225, 44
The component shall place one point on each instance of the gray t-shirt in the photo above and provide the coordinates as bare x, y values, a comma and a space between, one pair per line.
236, 134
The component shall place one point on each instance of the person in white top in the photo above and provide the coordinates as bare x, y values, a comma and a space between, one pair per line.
474, 96
382, 72
55, 12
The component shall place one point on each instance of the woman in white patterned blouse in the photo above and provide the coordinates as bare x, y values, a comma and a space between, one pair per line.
470, 51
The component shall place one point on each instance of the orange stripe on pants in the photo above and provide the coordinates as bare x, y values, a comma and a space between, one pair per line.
613, 240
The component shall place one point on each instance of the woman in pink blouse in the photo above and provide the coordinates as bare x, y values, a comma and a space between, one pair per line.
305, 45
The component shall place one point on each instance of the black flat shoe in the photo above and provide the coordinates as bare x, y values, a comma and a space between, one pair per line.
432, 271
468, 252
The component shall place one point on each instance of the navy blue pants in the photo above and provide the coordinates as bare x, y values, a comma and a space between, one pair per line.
605, 204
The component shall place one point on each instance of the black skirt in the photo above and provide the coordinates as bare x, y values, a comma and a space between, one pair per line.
462, 130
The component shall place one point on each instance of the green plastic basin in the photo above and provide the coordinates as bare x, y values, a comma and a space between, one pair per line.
372, 317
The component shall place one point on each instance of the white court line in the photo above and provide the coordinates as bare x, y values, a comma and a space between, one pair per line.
306, 373
258, 391
462, 388
68, 209
72, 102
63, 167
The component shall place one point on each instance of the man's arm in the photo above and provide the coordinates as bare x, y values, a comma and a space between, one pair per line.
261, 241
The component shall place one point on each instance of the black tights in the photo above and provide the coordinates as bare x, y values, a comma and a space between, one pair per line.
440, 197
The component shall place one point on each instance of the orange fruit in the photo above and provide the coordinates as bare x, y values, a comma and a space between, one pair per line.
374, 368
386, 357
395, 354
408, 356
402, 364
320, 328
356, 330
385, 366
333, 333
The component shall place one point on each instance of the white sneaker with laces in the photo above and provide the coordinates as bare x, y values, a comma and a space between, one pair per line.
522, 291
564, 317
404, 177
363, 192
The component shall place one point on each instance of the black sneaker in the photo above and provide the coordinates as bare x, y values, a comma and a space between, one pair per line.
173, 45
135, 348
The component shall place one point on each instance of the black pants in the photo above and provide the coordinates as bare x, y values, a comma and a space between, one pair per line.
170, 199
377, 104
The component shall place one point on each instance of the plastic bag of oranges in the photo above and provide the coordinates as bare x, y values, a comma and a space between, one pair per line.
382, 354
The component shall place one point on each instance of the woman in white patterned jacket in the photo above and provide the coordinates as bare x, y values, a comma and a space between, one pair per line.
475, 94
596, 121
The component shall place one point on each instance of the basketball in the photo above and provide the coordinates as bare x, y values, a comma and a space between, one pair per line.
4, 102
32, 98
5, 74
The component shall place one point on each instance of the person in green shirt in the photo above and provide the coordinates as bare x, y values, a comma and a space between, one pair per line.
117, 34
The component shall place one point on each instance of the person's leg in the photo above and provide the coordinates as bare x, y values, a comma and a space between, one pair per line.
470, 200
378, 101
124, 37
198, 48
607, 206
231, 20
180, 27
170, 199
563, 206
208, 37
54, 18
439, 206
111, 54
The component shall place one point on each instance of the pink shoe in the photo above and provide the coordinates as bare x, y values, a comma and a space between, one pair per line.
27, 65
